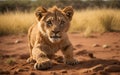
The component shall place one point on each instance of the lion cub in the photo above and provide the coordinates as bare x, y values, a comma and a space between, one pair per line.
48, 35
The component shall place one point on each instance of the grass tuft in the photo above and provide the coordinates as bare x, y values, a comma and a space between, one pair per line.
10, 61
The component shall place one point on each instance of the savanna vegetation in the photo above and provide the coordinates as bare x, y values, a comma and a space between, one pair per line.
15, 22
90, 16
97, 20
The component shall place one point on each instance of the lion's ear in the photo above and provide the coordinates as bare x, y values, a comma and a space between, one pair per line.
68, 11
40, 12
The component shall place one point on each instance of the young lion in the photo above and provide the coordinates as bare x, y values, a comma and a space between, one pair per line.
49, 35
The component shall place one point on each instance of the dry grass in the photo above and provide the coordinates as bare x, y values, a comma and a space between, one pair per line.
97, 20
87, 21
15, 22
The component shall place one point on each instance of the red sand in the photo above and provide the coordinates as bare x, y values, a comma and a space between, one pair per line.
89, 51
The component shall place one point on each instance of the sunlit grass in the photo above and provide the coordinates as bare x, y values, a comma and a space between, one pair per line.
15, 22
85, 21
97, 20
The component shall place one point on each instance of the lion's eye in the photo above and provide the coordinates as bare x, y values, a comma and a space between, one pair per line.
62, 23
49, 23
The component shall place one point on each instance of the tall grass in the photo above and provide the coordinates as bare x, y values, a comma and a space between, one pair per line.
15, 22
86, 21
96, 20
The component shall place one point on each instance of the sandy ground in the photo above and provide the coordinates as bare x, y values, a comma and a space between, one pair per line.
98, 55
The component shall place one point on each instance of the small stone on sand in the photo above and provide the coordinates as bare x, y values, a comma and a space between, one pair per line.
95, 45
105, 46
17, 41
64, 71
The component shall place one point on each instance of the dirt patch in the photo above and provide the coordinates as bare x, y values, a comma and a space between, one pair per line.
98, 56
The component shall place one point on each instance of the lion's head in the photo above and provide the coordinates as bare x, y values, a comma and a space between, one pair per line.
54, 22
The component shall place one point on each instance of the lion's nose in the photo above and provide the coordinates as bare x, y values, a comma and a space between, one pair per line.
55, 32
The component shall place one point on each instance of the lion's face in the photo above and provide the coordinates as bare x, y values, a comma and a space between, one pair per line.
54, 23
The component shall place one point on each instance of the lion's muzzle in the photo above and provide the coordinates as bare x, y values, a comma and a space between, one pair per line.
55, 34
55, 37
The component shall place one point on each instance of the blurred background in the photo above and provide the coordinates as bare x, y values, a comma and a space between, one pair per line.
30, 5
91, 16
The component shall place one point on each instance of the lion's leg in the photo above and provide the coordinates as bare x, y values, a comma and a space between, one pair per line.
68, 55
42, 61
30, 59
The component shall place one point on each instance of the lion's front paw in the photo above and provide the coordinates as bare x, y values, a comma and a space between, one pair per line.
30, 59
43, 65
72, 62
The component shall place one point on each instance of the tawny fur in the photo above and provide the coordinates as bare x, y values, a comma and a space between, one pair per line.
41, 48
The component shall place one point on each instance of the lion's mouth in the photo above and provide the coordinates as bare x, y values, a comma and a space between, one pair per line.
55, 37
